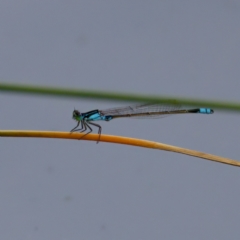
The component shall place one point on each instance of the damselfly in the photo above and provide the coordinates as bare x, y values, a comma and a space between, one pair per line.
138, 111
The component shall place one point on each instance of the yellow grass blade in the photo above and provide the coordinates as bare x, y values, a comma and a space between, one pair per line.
119, 140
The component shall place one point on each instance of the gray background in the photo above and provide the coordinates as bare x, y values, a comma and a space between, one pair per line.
63, 189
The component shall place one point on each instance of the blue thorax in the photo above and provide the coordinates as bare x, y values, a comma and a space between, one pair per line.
95, 116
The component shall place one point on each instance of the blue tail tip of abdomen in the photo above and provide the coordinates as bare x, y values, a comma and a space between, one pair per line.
206, 110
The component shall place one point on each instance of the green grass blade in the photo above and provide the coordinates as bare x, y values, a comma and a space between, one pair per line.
103, 95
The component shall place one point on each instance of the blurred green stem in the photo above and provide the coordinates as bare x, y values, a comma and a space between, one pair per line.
128, 97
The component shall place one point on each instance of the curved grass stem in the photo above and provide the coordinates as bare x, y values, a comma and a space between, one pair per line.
119, 140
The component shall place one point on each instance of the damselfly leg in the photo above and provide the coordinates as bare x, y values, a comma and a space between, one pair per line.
85, 126
75, 129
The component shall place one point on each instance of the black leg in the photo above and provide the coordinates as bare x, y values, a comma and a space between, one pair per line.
75, 129
86, 126
84, 129
99, 129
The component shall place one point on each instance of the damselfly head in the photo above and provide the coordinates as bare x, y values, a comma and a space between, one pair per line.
76, 114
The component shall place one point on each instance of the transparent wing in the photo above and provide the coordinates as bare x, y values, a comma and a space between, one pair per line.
149, 109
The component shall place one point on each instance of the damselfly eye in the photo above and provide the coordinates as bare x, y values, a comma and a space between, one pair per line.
76, 113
